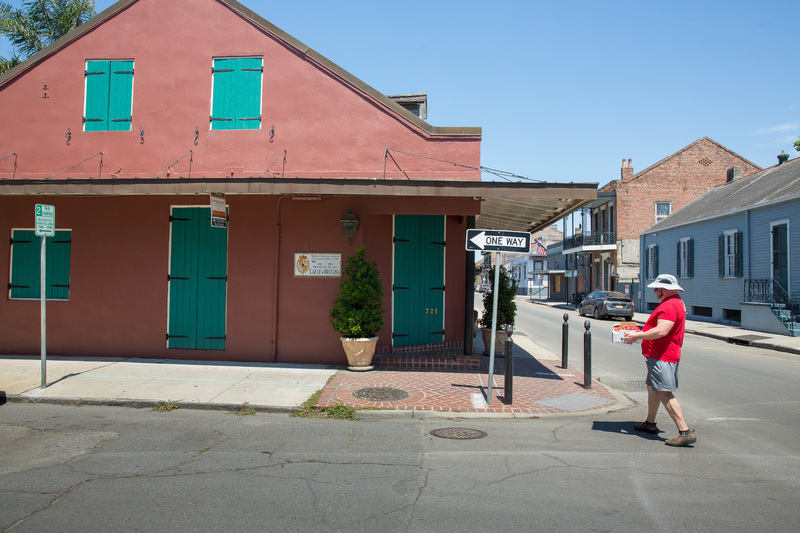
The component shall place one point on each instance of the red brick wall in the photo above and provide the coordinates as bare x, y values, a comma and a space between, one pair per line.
678, 179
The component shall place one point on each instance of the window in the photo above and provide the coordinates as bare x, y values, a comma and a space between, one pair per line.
611, 228
730, 254
26, 247
651, 262
236, 98
686, 258
109, 96
663, 210
701, 311
733, 315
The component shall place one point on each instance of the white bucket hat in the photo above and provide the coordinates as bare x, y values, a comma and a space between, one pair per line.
666, 281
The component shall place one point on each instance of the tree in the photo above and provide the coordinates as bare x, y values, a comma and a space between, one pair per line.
797, 145
38, 23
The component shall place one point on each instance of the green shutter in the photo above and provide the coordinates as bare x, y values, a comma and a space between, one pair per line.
109, 95
690, 262
418, 288
721, 250
655, 261
97, 87
237, 94
739, 257
120, 95
678, 267
197, 281
26, 250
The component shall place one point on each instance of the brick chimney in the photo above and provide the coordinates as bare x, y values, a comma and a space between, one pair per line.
734, 173
627, 170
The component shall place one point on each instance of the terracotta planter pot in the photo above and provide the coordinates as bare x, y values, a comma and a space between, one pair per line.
359, 352
499, 341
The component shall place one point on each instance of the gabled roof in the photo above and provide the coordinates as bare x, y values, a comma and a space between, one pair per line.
676, 154
777, 184
266, 26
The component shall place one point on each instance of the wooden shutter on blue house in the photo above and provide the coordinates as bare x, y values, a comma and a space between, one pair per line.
109, 95
236, 102
739, 258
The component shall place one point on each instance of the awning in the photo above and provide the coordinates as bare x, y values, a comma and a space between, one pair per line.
517, 206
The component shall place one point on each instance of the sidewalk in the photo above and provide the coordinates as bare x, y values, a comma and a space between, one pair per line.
540, 386
731, 334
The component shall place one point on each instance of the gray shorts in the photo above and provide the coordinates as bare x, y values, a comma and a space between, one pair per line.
661, 375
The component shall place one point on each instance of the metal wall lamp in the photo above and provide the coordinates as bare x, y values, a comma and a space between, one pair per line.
349, 224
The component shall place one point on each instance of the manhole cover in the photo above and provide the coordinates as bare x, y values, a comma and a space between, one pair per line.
381, 394
458, 433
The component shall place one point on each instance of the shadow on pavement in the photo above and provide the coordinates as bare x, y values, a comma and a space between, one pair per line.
623, 428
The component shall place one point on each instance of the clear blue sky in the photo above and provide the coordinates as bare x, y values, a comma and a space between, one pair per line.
565, 90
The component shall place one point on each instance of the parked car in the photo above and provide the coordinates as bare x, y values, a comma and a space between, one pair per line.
601, 304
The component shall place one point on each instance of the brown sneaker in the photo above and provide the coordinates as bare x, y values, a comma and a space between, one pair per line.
682, 440
646, 427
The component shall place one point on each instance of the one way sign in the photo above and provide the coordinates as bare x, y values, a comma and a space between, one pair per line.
498, 241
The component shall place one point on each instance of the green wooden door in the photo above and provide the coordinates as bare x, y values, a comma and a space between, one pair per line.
418, 288
197, 281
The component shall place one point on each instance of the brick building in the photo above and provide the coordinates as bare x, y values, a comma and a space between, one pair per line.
605, 243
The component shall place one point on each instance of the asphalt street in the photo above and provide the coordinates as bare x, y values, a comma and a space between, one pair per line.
99, 468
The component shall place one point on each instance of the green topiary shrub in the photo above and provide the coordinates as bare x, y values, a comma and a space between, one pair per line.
358, 310
506, 306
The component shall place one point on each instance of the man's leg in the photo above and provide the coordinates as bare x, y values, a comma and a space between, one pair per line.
653, 401
673, 408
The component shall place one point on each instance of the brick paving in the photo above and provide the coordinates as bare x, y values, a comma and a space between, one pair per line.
431, 390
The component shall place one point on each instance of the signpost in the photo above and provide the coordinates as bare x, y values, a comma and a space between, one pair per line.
219, 217
45, 227
496, 241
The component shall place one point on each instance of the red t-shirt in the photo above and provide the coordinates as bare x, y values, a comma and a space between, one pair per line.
668, 347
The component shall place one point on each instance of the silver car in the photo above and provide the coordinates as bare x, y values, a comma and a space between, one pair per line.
602, 304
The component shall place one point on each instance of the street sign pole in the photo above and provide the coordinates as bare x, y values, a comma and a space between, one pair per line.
45, 227
496, 241
494, 324
43, 298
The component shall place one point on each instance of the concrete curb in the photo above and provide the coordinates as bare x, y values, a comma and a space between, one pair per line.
148, 404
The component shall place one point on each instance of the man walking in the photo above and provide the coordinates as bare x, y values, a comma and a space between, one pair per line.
662, 339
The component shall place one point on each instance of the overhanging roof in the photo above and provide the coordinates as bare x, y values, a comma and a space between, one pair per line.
505, 205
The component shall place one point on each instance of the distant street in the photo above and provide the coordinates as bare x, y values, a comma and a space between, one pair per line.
99, 469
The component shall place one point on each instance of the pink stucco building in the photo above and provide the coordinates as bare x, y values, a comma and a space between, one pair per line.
126, 126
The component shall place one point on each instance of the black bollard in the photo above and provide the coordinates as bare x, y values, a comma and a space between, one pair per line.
508, 396
564, 341
587, 357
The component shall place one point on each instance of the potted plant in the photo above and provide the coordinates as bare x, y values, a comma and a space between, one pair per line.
357, 313
506, 311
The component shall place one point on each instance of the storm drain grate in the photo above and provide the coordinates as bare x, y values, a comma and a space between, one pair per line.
458, 433
746, 340
381, 394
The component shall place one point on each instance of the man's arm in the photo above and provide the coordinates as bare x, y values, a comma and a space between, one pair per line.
662, 328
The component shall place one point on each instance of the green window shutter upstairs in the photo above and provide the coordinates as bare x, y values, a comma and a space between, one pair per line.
120, 95
237, 94
109, 95
691, 259
97, 87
